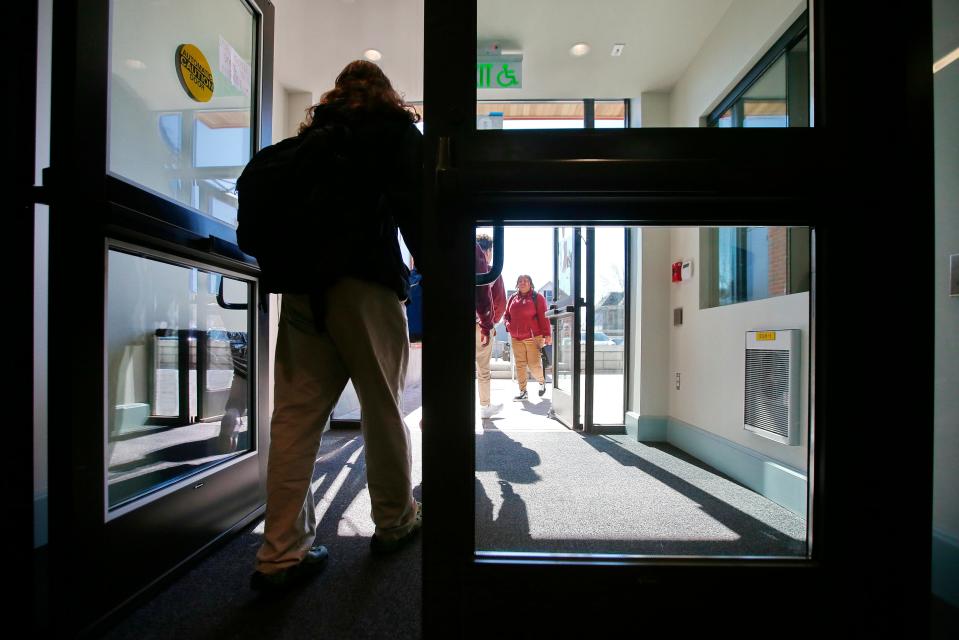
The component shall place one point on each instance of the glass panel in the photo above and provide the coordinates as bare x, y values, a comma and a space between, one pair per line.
752, 263
610, 115
726, 120
180, 99
666, 484
764, 104
675, 61
564, 364
609, 304
178, 380
564, 268
530, 115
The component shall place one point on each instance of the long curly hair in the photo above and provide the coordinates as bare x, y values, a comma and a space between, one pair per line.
361, 89
532, 288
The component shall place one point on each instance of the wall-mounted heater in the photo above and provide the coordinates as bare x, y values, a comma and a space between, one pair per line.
771, 407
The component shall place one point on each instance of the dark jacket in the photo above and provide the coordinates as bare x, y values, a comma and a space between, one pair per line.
384, 188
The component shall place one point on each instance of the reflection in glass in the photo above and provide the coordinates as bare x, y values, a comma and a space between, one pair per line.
178, 378
564, 357
160, 137
564, 268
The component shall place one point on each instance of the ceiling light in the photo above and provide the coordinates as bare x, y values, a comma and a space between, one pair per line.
135, 64
372, 55
579, 49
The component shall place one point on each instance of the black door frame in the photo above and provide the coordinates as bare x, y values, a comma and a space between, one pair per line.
821, 177
22, 112
97, 567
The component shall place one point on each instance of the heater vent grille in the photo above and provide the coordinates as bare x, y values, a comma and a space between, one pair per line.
772, 388
767, 391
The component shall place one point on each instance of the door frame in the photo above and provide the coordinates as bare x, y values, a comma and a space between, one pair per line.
573, 401
589, 422
693, 177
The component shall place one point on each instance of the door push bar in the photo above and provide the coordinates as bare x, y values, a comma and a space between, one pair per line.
499, 250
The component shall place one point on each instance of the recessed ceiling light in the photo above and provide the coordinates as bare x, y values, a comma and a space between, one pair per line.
372, 55
135, 64
579, 49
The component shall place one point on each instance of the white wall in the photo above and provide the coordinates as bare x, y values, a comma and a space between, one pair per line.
317, 38
654, 109
280, 114
707, 351
297, 103
655, 318
744, 34
946, 96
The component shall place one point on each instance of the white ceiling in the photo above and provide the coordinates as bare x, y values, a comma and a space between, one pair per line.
316, 38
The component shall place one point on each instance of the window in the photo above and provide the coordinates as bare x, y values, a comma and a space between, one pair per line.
187, 148
741, 264
552, 114
775, 93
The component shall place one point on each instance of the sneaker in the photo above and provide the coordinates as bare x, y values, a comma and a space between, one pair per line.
311, 564
490, 410
542, 390
522, 396
380, 546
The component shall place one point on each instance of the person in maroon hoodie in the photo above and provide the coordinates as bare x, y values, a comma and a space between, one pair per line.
529, 330
495, 296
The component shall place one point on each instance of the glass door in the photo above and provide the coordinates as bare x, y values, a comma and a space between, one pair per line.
565, 318
665, 169
157, 452
606, 335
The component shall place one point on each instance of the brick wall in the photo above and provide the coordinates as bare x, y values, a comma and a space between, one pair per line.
778, 261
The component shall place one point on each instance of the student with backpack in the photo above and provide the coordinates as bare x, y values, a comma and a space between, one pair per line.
529, 330
325, 235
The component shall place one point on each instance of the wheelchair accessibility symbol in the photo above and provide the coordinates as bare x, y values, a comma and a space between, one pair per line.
506, 78
499, 74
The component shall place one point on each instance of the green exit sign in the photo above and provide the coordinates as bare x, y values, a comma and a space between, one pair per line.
499, 72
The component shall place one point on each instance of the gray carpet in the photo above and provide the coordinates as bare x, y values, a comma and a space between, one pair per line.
357, 595
539, 487
562, 492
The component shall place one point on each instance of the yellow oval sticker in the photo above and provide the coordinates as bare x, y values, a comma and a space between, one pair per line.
766, 335
194, 73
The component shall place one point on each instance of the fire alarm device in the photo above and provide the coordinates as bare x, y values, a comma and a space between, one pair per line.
678, 271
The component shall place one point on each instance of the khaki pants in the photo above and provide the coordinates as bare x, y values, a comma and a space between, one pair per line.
526, 353
482, 365
366, 340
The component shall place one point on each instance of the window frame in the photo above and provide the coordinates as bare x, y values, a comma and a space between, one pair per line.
734, 99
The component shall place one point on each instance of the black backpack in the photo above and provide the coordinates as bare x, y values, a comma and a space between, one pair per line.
288, 194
